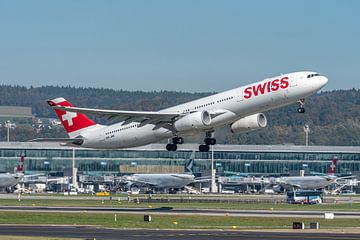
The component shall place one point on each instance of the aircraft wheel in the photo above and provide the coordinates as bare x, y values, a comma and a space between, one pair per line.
178, 140
210, 141
171, 147
204, 148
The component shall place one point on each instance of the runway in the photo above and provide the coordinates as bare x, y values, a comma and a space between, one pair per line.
87, 232
208, 198
174, 211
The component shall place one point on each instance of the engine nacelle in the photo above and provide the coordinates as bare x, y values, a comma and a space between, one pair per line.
249, 123
196, 120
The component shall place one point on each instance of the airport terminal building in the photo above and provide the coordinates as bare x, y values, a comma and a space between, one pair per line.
250, 160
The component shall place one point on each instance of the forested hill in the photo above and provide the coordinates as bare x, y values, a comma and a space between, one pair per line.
333, 116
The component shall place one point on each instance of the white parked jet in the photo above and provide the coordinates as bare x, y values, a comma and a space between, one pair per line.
239, 109
164, 181
309, 182
9, 180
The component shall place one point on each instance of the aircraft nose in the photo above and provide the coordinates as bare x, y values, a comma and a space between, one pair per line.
322, 81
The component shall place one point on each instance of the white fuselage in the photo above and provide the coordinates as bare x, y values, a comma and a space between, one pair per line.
308, 182
236, 103
162, 180
9, 179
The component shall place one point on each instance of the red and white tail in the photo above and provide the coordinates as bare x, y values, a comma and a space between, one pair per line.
74, 123
332, 167
20, 166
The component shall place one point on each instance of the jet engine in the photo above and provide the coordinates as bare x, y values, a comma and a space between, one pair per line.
249, 123
278, 188
196, 120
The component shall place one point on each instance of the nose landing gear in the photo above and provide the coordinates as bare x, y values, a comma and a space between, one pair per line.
301, 108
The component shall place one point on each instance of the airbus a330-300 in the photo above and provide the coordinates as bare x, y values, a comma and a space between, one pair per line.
240, 109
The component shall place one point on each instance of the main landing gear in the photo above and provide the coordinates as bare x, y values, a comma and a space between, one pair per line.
173, 146
301, 108
209, 140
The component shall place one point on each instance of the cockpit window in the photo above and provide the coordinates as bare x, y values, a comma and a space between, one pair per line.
313, 75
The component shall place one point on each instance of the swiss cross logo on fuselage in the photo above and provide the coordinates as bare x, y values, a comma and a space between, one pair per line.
69, 116
266, 87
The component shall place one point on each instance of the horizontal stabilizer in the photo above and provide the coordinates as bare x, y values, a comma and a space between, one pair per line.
75, 141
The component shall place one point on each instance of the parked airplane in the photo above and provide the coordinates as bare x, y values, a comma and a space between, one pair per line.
308, 182
168, 181
9, 180
239, 109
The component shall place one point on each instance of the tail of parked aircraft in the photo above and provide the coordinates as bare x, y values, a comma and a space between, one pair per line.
332, 167
20, 166
74, 123
190, 163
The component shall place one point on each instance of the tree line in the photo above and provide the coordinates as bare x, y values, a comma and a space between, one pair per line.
333, 116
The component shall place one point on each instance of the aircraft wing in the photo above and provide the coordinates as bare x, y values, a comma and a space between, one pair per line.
34, 175
126, 116
291, 185
143, 183
180, 177
136, 181
160, 119
346, 177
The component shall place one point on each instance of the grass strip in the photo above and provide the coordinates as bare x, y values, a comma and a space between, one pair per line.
166, 221
197, 205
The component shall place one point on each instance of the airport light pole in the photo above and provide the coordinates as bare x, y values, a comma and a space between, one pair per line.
8, 133
213, 188
306, 130
8, 125
74, 180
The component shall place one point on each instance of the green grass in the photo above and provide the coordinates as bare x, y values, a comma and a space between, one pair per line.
165, 221
212, 205
3, 237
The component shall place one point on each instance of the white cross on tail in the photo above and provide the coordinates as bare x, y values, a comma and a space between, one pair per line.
68, 116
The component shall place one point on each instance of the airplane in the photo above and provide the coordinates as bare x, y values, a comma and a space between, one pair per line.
308, 182
239, 109
9, 180
169, 181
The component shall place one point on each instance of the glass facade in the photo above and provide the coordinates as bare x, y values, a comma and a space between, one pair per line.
259, 160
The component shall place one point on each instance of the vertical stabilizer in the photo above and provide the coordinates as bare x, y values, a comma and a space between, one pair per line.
74, 123
20, 166
332, 167
190, 163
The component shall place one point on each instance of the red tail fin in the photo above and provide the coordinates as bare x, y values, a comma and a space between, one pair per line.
70, 120
332, 167
20, 166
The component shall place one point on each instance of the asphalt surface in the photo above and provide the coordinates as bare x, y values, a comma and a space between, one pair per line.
174, 211
332, 199
85, 232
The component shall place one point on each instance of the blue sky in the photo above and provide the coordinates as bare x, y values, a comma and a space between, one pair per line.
193, 46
